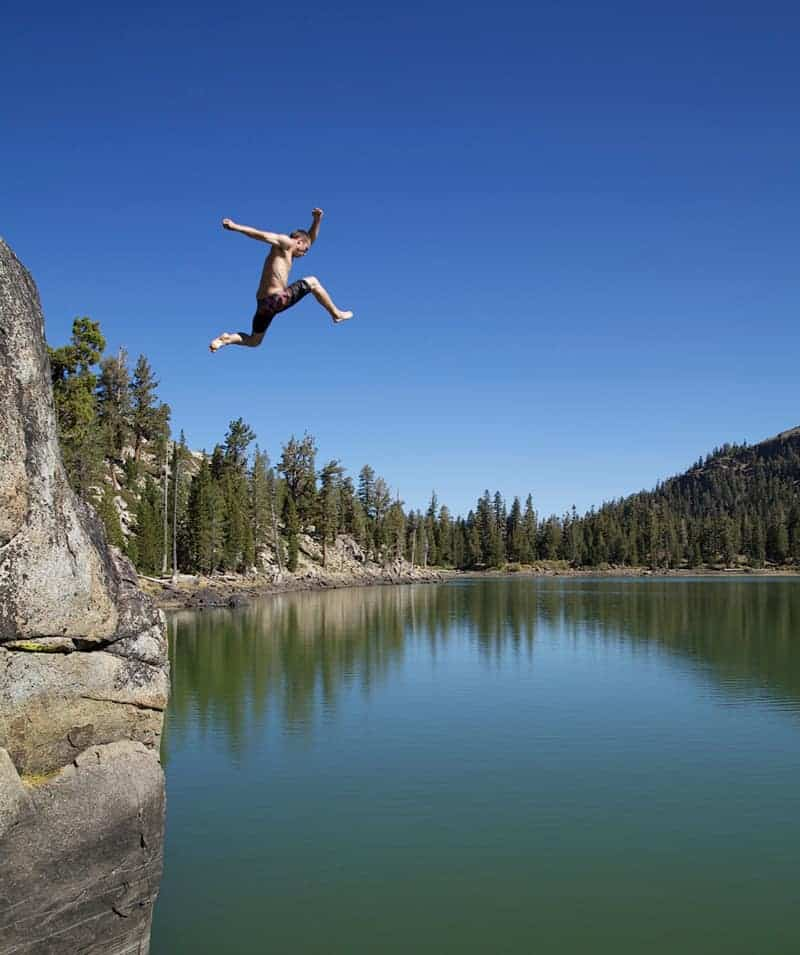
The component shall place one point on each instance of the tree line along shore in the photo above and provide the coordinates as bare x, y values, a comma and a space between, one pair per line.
231, 510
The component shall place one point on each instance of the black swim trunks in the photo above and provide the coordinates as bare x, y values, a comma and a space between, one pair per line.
269, 307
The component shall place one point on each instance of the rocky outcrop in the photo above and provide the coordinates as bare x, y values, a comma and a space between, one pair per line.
346, 565
83, 685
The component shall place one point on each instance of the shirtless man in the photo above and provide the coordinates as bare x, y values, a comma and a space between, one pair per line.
274, 295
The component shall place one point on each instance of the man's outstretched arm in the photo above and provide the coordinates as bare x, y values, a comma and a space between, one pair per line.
274, 238
313, 231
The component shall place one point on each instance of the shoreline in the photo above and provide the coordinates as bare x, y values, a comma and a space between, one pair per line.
231, 590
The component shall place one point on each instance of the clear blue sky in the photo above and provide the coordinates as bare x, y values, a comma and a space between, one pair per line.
569, 230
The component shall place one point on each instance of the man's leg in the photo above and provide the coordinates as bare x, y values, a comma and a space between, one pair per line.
319, 293
261, 322
236, 338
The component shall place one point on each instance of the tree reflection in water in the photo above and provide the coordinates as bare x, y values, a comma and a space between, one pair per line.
293, 655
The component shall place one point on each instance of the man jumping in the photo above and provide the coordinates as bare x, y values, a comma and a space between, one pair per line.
273, 294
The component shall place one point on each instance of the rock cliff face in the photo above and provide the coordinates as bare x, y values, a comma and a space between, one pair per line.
83, 684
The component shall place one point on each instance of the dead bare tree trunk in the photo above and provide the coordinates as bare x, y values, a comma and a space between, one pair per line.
175, 516
166, 503
275, 536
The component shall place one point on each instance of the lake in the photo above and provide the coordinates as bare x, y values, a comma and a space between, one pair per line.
505, 765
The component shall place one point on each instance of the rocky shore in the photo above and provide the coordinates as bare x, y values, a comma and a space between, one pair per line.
231, 590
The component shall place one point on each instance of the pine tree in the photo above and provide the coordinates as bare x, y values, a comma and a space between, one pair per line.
114, 410
529, 532
445, 536
238, 439
459, 551
551, 538
366, 499
474, 550
329, 505
500, 520
274, 508
238, 551
203, 521
260, 503
74, 384
347, 508
515, 538
179, 503
577, 544
148, 540
217, 463
491, 543
366, 490
395, 529
431, 530
149, 417
382, 499
297, 467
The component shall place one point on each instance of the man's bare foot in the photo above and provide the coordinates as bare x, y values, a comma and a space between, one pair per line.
224, 339
342, 317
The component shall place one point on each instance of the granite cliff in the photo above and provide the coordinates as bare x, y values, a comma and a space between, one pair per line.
83, 684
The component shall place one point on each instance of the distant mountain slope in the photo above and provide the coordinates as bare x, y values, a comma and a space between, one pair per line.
741, 503
764, 475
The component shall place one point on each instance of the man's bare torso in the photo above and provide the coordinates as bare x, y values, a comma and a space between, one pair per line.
275, 274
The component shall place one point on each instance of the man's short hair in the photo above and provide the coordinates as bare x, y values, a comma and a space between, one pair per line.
300, 234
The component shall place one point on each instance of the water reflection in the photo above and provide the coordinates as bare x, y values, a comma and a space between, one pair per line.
293, 655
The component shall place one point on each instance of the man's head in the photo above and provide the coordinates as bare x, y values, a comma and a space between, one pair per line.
302, 242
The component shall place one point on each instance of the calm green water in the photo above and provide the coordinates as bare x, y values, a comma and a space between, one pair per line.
508, 765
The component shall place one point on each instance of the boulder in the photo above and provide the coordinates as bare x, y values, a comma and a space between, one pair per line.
87, 852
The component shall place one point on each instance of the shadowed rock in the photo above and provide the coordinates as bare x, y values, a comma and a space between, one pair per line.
83, 685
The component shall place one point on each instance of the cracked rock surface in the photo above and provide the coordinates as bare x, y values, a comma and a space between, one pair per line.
83, 684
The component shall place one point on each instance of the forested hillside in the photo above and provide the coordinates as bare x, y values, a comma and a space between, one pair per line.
231, 509
739, 504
